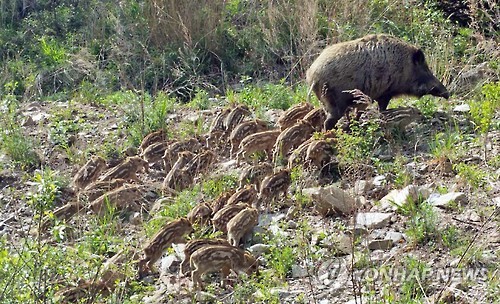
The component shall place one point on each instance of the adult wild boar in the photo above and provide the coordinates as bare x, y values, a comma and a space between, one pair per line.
381, 66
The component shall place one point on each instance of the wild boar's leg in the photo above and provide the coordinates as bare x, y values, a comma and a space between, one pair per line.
335, 106
383, 102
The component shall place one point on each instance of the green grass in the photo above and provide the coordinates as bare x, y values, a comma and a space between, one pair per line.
212, 188
267, 96
484, 109
472, 175
48, 186
421, 226
427, 106
445, 145
356, 147
21, 149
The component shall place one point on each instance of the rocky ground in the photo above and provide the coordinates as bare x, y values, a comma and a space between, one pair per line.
349, 235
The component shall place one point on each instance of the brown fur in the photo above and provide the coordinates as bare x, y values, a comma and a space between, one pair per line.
381, 66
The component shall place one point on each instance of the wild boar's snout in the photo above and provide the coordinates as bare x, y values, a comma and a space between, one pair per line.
432, 86
439, 91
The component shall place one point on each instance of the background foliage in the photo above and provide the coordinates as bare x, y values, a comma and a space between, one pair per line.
58, 47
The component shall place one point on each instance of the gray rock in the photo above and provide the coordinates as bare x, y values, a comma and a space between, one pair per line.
323, 276
373, 220
340, 243
228, 164
360, 231
170, 263
361, 187
135, 219
292, 224
379, 180
380, 244
259, 249
330, 200
299, 271
445, 200
394, 236
378, 234
463, 108
397, 198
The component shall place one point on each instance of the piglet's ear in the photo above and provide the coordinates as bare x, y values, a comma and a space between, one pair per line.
418, 57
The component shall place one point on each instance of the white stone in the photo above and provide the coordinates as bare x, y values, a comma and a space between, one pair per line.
373, 220
396, 198
228, 164
446, 199
259, 249
168, 261
463, 108
362, 186
394, 236
379, 180
341, 243
324, 276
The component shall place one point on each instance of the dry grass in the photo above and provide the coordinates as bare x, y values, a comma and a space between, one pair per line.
191, 23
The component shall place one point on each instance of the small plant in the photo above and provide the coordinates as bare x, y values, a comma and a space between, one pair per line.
20, 148
143, 114
493, 287
357, 146
61, 132
452, 237
188, 129
483, 110
415, 280
29, 271
268, 96
48, 187
402, 176
445, 145
214, 187
200, 101
427, 106
103, 237
173, 209
362, 259
53, 53
257, 288
281, 259
422, 221
471, 174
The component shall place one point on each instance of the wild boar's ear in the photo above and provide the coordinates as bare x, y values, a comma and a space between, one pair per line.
418, 57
